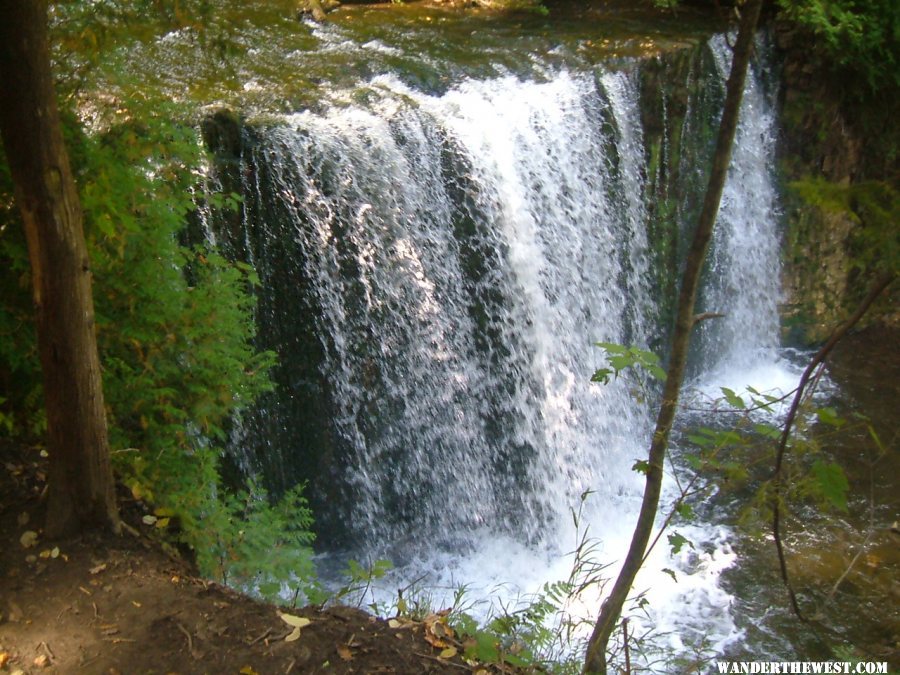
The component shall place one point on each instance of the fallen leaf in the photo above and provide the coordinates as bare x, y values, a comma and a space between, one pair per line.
247, 670
54, 552
28, 538
162, 522
393, 623
42, 661
297, 621
435, 642
294, 635
97, 568
4, 659
148, 519
436, 631
448, 653
345, 653
45, 553
135, 603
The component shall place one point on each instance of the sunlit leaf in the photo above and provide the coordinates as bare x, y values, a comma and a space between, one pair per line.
733, 399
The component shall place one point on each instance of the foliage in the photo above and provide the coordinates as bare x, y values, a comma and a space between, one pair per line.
175, 329
359, 581
862, 36
541, 632
19, 369
245, 541
740, 449
644, 366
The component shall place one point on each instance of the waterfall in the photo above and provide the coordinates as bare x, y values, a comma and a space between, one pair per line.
463, 252
744, 266
435, 269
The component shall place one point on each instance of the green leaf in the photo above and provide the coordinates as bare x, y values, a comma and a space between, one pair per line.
641, 466
612, 347
517, 660
677, 542
485, 648
685, 510
620, 363
830, 417
733, 399
768, 431
601, 375
270, 589
657, 372
671, 573
831, 483
693, 460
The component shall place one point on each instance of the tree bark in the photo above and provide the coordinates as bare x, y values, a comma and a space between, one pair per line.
595, 659
80, 492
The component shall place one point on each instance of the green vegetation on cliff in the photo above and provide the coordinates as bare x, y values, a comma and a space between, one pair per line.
175, 332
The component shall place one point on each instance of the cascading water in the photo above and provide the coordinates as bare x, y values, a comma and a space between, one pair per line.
740, 347
435, 269
463, 252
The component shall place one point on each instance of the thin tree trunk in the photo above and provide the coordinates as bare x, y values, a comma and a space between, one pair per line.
595, 659
80, 478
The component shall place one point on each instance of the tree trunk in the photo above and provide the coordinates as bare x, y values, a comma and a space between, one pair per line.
80, 478
595, 659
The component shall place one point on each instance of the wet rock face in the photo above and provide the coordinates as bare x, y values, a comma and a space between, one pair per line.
826, 135
222, 134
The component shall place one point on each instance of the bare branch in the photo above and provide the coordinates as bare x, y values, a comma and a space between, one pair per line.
819, 358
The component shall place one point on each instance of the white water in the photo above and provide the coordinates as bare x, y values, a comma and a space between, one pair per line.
741, 348
464, 251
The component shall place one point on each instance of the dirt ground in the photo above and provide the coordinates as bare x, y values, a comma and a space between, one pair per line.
121, 605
